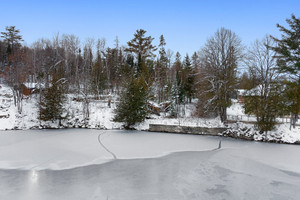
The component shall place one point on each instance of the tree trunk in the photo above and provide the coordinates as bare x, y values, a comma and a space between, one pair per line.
223, 114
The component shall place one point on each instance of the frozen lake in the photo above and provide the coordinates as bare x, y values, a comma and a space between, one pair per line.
72, 164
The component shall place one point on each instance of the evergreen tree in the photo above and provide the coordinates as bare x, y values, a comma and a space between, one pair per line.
2, 55
288, 47
133, 106
141, 45
12, 38
195, 61
52, 100
247, 82
98, 76
162, 52
161, 71
179, 85
291, 95
288, 54
15, 63
189, 79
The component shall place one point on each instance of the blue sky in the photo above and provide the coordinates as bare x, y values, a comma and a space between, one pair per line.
186, 24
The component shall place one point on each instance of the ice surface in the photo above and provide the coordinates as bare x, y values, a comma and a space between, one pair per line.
145, 167
69, 148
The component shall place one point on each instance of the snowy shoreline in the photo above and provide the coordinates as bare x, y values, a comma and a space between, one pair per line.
229, 133
101, 117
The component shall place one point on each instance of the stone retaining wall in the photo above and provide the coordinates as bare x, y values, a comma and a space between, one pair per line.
185, 129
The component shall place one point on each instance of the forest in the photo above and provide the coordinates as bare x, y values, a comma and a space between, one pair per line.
142, 74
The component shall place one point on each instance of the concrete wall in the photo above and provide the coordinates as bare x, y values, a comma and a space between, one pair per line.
185, 129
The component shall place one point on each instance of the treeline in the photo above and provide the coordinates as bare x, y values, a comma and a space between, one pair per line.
140, 72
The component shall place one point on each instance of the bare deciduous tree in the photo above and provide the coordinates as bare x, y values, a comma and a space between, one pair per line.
219, 60
263, 99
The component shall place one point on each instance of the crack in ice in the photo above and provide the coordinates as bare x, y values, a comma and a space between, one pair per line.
99, 140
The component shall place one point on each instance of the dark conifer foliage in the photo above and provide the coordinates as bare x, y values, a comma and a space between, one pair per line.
133, 106
288, 61
141, 45
288, 47
52, 100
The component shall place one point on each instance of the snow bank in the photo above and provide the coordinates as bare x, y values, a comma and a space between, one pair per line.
281, 134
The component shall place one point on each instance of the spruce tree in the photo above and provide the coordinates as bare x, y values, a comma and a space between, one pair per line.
133, 106
189, 79
161, 71
162, 52
52, 100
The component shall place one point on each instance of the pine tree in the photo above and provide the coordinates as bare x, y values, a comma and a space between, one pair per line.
141, 45
288, 50
12, 38
288, 47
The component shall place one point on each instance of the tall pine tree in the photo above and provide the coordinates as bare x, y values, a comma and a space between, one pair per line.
288, 61
141, 45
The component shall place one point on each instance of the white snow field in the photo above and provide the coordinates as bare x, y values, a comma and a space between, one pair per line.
71, 164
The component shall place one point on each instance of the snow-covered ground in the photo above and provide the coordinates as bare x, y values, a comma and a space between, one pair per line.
71, 164
101, 116
236, 113
281, 133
